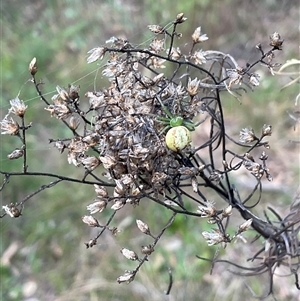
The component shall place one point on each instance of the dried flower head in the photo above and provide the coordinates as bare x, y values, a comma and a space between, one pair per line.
73, 91
246, 225
270, 58
108, 161
193, 86
276, 41
63, 94
143, 227
255, 168
194, 183
247, 135
180, 18
90, 221
129, 254
136, 190
91, 243
127, 277
175, 53
90, 163
213, 238
117, 205
235, 76
97, 206
60, 146
199, 57
96, 54
227, 211
198, 37
114, 231
208, 210
17, 153
9, 126
157, 45
61, 110
267, 130
12, 210
33, 66
17, 107
263, 156
147, 250
254, 79
74, 123
216, 176
156, 29
117, 42
120, 188
101, 191
157, 63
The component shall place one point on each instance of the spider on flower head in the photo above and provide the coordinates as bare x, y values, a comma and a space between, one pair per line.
178, 135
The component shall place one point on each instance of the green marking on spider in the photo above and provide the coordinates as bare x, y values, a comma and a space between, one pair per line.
173, 121
176, 121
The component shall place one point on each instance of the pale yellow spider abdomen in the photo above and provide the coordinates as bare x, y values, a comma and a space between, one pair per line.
178, 138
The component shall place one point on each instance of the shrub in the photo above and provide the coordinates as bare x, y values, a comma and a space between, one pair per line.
134, 143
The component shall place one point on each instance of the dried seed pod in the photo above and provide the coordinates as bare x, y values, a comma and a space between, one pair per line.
227, 211
91, 243
17, 107
97, 206
90, 221
117, 205
100, 190
33, 67
127, 277
180, 18
147, 250
194, 184
143, 226
267, 130
178, 138
17, 153
246, 225
129, 254
12, 210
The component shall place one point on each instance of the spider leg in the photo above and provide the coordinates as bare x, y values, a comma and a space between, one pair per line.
163, 130
189, 125
165, 109
162, 119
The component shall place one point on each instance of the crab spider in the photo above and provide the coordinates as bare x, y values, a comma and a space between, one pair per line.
178, 135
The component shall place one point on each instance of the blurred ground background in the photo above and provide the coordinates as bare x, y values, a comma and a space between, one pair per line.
43, 253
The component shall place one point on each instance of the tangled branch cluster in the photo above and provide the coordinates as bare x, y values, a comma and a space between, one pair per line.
135, 137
